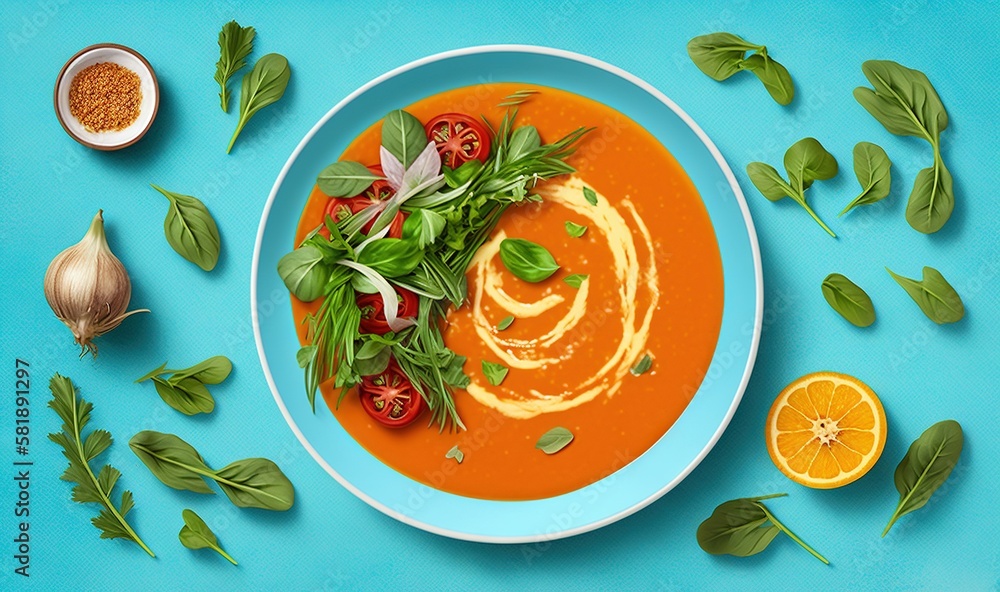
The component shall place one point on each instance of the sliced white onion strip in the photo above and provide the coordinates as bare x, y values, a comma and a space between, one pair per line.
390, 302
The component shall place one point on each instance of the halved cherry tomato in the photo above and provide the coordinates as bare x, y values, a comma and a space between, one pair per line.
341, 208
373, 310
459, 138
390, 398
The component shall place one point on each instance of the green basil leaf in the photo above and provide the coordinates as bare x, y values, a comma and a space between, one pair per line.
932, 199
306, 355
171, 460
495, 373
926, 467
403, 136
807, 161
304, 272
256, 483
345, 178
373, 360
212, 371
575, 230
235, 44
527, 260
456, 454
554, 440
590, 195
719, 55
262, 86
191, 230
903, 100
642, 366
737, 527
391, 257
872, 167
188, 396
423, 227
768, 181
522, 141
505, 322
849, 300
195, 534
575, 280
934, 295
775, 77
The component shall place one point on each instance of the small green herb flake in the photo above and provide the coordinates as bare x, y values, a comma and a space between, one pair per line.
590, 196
495, 373
576, 280
554, 440
642, 366
505, 322
456, 454
575, 230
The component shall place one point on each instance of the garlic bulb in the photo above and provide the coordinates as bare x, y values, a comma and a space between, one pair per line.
88, 287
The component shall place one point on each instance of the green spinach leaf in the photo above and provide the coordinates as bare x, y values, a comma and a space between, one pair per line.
926, 467
720, 55
934, 295
906, 103
195, 534
187, 395
775, 77
744, 527
805, 161
527, 260
191, 230
262, 86
871, 165
849, 300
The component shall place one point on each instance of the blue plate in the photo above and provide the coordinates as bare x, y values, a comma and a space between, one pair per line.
629, 489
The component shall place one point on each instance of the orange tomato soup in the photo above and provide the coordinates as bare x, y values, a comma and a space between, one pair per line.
654, 287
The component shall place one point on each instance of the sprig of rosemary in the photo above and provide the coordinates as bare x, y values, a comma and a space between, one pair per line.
517, 98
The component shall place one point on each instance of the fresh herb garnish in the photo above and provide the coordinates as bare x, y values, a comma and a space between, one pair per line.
456, 454
195, 534
495, 373
235, 44
75, 414
806, 161
905, 102
720, 55
527, 260
262, 86
505, 322
185, 389
451, 215
926, 466
554, 440
517, 98
575, 280
849, 300
740, 527
934, 295
642, 366
575, 230
248, 483
191, 230
590, 195
345, 179
871, 165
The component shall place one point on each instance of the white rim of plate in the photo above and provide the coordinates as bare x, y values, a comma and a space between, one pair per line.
561, 53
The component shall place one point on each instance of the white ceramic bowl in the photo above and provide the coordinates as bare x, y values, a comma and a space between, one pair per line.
123, 56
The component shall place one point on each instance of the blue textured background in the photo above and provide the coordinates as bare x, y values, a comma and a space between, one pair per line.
51, 187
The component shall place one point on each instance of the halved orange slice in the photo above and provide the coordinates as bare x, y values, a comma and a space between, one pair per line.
825, 430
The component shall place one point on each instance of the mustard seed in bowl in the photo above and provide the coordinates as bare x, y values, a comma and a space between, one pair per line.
105, 97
